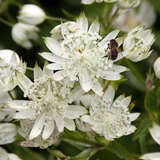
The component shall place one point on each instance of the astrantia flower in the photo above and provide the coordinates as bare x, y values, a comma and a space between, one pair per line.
7, 156
7, 133
48, 106
128, 19
110, 119
137, 44
22, 34
31, 14
78, 52
157, 67
122, 3
10, 65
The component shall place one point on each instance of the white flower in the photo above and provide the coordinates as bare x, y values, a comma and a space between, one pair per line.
137, 44
155, 132
110, 119
7, 156
7, 133
48, 106
10, 64
78, 52
31, 14
128, 19
22, 34
122, 3
151, 156
156, 67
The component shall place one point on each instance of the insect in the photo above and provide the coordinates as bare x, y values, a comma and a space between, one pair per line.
113, 46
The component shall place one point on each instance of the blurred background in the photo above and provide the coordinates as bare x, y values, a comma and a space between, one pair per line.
136, 83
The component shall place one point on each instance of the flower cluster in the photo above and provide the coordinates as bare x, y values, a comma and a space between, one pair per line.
70, 92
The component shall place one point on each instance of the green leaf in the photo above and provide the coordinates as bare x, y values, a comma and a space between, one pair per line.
57, 153
86, 154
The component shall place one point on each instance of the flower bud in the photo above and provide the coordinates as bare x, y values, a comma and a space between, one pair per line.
22, 34
137, 44
31, 14
156, 67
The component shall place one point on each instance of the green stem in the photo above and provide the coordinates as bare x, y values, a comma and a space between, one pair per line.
56, 19
135, 72
6, 22
10, 94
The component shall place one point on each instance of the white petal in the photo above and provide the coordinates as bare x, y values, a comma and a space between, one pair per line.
27, 114
86, 119
75, 111
13, 157
126, 101
54, 66
23, 82
52, 57
97, 88
53, 45
18, 104
155, 132
48, 129
85, 80
83, 23
109, 94
151, 156
109, 37
95, 27
37, 72
59, 121
110, 75
3, 154
69, 124
37, 127
59, 75
134, 116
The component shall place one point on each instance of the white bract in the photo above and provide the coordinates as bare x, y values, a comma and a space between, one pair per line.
10, 65
5, 112
155, 132
22, 34
156, 67
31, 14
128, 19
78, 52
107, 118
25, 130
48, 107
7, 133
137, 44
151, 156
7, 156
121, 3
